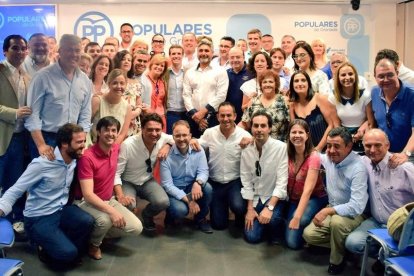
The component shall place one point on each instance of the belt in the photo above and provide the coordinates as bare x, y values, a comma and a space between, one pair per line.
176, 112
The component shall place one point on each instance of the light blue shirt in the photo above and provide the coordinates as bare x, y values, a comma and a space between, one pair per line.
55, 100
179, 171
47, 183
175, 91
347, 185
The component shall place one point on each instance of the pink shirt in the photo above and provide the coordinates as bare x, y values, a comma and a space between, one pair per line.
96, 165
296, 182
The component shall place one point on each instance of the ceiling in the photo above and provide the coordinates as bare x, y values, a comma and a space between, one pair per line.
198, 1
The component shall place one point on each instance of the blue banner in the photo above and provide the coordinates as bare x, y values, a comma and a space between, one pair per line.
26, 20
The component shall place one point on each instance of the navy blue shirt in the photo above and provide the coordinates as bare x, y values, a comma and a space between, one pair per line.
400, 119
234, 94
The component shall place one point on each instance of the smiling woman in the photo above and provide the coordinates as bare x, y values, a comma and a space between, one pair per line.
113, 104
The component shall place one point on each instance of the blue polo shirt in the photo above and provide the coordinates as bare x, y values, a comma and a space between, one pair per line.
401, 115
234, 94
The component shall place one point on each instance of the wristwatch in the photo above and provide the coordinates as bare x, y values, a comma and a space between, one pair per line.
200, 183
270, 207
408, 153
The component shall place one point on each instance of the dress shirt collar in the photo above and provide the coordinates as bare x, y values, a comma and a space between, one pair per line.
99, 152
176, 151
347, 161
206, 68
59, 157
10, 67
240, 72
382, 164
400, 94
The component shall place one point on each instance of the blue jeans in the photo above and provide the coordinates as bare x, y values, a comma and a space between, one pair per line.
172, 117
294, 238
195, 129
225, 196
274, 228
357, 239
179, 209
11, 168
50, 139
63, 235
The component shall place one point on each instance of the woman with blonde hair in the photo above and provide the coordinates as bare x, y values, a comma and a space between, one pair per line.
113, 104
319, 49
353, 104
157, 70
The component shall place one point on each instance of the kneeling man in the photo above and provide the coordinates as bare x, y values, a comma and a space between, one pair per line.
184, 176
264, 175
96, 171
346, 184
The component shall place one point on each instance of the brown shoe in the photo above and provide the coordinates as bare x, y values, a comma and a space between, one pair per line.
94, 252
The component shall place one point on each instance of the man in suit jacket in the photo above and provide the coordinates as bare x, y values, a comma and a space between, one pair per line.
13, 94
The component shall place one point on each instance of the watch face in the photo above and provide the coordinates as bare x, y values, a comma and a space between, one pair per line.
408, 153
270, 207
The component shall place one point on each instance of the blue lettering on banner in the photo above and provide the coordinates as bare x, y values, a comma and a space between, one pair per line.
94, 25
177, 29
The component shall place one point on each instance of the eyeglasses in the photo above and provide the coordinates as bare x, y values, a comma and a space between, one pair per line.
299, 56
148, 163
141, 61
158, 41
383, 76
388, 119
336, 62
258, 169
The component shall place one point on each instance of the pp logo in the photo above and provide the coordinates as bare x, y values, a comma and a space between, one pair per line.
94, 25
1, 20
352, 25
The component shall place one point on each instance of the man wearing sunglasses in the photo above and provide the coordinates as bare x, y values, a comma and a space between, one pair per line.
392, 105
136, 162
264, 176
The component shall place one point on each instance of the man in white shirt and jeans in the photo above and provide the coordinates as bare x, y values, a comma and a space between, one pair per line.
264, 175
224, 144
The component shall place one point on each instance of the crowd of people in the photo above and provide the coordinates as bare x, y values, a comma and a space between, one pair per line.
294, 143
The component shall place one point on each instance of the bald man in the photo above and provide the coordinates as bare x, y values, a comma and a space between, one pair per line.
385, 195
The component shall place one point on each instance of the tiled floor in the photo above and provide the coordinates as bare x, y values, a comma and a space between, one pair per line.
184, 251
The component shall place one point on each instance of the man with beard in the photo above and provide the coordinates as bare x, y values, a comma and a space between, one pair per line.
59, 94
238, 75
175, 104
254, 41
38, 54
61, 231
139, 63
204, 89
93, 49
127, 33
13, 93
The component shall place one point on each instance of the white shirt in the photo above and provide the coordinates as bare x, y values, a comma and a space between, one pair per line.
290, 63
406, 74
251, 88
190, 62
352, 115
224, 154
131, 161
274, 171
205, 86
215, 63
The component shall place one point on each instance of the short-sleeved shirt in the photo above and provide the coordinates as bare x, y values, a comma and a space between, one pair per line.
296, 181
101, 167
400, 119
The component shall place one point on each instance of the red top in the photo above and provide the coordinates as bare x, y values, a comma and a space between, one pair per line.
296, 182
95, 164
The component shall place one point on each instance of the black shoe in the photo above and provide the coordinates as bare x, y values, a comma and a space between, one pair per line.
336, 269
149, 225
204, 226
378, 268
43, 256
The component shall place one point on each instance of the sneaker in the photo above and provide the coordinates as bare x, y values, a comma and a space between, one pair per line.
204, 226
378, 268
18, 227
149, 224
